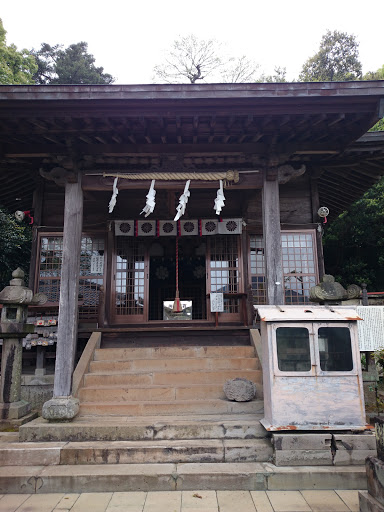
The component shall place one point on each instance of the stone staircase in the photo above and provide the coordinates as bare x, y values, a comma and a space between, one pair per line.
168, 381
156, 418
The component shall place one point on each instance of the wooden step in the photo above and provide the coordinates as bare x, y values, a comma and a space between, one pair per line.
131, 394
120, 354
170, 378
176, 407
180, 364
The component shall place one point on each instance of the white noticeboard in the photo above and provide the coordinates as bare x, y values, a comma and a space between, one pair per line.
217, 302
371, 328
97, 264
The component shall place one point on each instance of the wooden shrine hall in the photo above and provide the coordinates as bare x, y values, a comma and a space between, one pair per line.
246, 166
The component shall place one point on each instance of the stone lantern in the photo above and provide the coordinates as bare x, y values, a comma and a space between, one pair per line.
13, 328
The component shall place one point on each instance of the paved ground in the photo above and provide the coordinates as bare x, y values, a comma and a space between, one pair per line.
185, 501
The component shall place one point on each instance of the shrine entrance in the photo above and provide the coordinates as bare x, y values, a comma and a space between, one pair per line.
144, 277
192, 277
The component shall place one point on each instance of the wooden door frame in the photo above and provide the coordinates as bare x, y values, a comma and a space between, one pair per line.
116, 319
225, 317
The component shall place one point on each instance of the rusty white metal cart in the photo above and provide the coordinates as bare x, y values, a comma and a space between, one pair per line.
311, 368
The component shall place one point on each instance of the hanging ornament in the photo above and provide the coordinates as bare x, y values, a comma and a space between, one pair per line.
113, 200
220, 198
323, 212
183, 200
150, 202
176, 304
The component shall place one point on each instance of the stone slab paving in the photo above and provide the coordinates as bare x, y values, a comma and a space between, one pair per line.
185, 501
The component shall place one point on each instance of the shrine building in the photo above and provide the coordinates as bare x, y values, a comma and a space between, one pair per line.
254, 170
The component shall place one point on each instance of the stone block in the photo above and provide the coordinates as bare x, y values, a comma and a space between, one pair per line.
248, 450
375, 478
303, 457
227, 476
352, 457
30, 454
302, 441
368, 503
108, 478
14, 410
356, 441
61, 409
309, 477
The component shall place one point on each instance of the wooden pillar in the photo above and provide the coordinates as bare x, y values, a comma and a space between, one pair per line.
69, 289
272, 240
63, 406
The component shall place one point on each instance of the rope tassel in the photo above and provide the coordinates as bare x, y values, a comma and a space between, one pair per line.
176, 304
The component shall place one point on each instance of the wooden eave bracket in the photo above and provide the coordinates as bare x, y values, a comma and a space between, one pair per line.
60, 176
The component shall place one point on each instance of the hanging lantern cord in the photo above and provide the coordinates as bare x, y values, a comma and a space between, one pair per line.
176, 304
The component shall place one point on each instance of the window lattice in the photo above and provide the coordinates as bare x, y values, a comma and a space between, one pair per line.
299, 267
129, 276
51, 254
224, 268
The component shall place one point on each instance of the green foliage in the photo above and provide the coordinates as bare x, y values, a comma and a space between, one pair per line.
15, 247
375, 75
336, 60
354, 243
72, 65
278, 76
16, 67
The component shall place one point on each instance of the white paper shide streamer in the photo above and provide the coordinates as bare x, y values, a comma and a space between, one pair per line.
150, 202
183, 200
220, 198
113, 200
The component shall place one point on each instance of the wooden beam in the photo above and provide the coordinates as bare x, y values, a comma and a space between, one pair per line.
45, 150
272, 239
69, 289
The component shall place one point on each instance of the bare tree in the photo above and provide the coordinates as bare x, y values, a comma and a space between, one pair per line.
240, 70
190, 59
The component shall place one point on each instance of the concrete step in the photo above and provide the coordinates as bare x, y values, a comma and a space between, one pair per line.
155, 428
167, 378
136, 452
120, 354
131, 394
179, 364
176, 407
169, 477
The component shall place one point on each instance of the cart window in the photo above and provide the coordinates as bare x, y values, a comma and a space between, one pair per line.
335, 349
293, 352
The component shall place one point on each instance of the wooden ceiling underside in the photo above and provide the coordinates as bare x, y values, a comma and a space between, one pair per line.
146, 128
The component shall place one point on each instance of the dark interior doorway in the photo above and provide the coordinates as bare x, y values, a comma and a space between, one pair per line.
192, 275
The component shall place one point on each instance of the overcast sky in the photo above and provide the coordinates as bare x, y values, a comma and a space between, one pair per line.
128, 38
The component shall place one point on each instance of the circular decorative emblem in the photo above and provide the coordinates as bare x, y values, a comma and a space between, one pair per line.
231, 225
210, 226
168, 227
125, 227
199, 272
188, 227
146, 227
162, 273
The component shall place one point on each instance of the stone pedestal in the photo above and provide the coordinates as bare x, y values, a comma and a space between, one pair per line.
62, 408
11, 405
